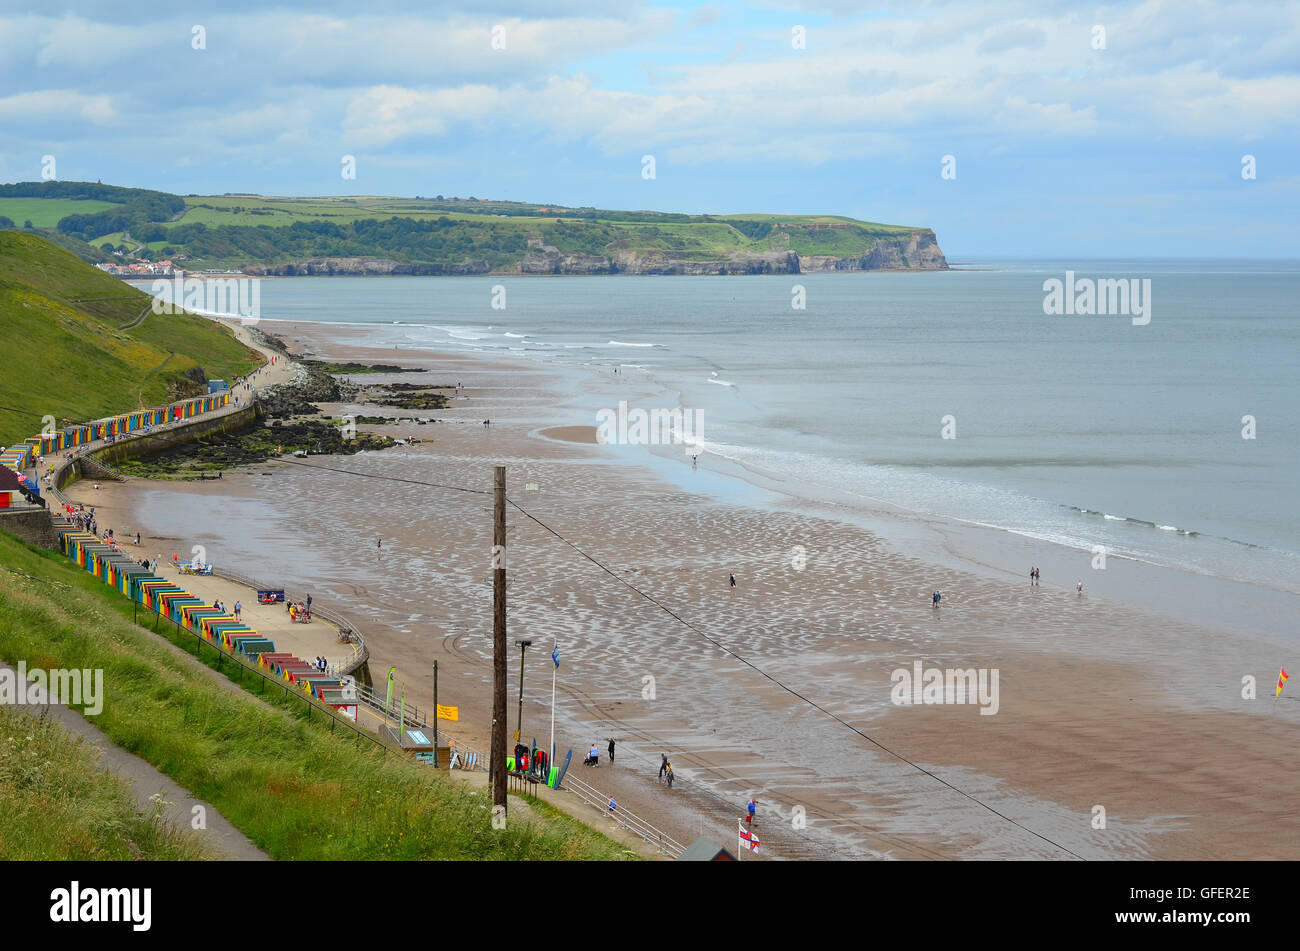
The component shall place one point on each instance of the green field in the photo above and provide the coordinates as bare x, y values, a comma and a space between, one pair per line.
46, 212
298, 790
65, 355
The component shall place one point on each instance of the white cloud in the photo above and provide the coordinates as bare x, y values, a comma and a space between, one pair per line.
53, 106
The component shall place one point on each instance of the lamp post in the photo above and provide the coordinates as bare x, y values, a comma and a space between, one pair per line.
519, 724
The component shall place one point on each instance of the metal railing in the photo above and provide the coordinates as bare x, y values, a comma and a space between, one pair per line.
633, 823
346, 668
95, 464
414, 716
242, 663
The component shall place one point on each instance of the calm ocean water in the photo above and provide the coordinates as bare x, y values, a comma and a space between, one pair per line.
1079, 430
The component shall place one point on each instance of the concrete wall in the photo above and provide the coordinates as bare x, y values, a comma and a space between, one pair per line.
133, 447
32, 525
178, 433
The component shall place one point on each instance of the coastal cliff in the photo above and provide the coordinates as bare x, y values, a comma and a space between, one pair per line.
908, 251
142, 233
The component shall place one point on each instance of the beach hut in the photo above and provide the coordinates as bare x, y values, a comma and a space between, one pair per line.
11, 493
702, 850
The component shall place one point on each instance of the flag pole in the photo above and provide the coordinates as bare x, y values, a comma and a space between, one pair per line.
554, 668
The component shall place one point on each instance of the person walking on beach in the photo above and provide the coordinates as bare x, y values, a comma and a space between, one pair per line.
751, 807
379, 545
669, 773
309, 604
733, 579
239, 607
663, 764
611, 750
1080, 586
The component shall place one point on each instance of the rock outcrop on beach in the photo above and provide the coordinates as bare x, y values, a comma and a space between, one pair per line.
298, 397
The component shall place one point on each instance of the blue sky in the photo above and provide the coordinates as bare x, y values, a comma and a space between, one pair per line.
1061, 148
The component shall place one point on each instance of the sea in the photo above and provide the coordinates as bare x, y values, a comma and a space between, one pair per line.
1168, 440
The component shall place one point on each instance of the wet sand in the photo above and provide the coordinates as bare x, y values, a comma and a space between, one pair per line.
778, 688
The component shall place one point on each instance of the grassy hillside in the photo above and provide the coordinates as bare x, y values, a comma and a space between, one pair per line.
64, 353
296, 789
57, 803
436, 235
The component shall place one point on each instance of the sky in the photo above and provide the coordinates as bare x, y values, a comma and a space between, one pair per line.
1013, 129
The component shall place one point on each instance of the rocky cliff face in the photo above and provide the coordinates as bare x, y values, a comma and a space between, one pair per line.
907, 251
916, 250
362, 267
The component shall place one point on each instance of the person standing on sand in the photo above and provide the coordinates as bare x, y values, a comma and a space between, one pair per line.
309, 604
611, 751
733, 579
669, 774
663, 764
380, 545
1080, 586
751, 807
239, 607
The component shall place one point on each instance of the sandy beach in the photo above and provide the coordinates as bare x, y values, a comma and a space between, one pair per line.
778, 688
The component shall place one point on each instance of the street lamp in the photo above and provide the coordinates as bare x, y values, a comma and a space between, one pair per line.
519, 724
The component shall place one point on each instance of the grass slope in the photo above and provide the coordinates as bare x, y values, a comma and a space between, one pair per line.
294, 788
64, 356
57, 804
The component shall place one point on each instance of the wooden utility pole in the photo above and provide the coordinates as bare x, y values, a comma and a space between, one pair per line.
498, 757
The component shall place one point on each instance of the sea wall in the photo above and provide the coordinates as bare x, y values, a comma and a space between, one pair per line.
32, 525
137, 446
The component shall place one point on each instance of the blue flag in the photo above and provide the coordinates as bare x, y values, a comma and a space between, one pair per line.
555, 655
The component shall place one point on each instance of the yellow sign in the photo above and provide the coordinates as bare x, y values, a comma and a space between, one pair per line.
448, 713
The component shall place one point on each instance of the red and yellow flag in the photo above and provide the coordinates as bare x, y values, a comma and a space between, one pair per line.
1281, 679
